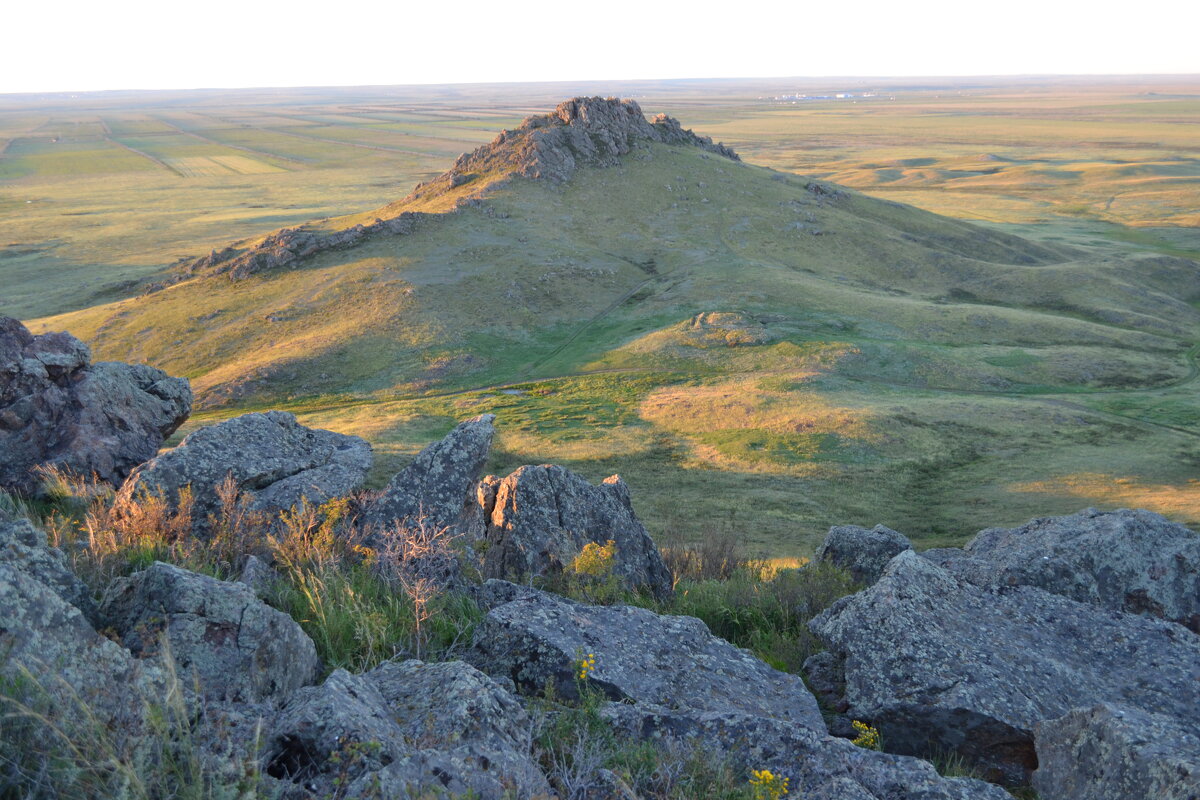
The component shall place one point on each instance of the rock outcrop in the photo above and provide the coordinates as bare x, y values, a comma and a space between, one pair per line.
861, 552
274, 460
406, 728
583, 131
220, 634
57, 409
538, 638
542, 517
936, 662
440, 482
1128, 560
55, 663
24, 547
1108, 752
818, 766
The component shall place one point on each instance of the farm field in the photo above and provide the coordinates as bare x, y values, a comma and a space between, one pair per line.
871, 398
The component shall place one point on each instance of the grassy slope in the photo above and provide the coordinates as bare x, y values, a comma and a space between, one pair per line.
899, 367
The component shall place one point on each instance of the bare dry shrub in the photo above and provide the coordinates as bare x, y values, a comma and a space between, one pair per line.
717, 555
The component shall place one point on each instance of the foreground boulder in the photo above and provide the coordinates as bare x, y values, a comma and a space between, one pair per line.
817, 766
542, 517
59, 410
220, 634
88, 688
1128, 560
938, 663
274, 461
440, 482
1108, 752
861, 552
402, 730
538, 639
24, 548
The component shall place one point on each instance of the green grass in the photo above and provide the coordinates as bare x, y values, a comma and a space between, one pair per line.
911, 370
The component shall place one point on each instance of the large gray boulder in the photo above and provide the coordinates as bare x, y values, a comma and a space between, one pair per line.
1128, 560
275, 461
1108, 752
817, 766
59, 410
861, 552
24, 547
542, 517
404, 729
938, 663
219, 633
440, 482
639, 656
86, 685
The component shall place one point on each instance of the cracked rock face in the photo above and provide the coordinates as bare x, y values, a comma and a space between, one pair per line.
219, 633
668, 661
440, 481
540, 518
1109, 752
1128, 560
57, 409
273, 459
936, 662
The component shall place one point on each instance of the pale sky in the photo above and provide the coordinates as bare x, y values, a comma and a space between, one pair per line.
69, 45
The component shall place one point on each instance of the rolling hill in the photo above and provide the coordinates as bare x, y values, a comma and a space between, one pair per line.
753, 350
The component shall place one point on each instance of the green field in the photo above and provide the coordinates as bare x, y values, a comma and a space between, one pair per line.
675, 319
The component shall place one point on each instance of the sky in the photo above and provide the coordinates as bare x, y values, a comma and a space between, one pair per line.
69, 45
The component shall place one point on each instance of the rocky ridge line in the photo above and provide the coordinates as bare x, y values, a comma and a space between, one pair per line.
583, 131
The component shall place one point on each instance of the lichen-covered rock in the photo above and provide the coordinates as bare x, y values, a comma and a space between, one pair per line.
939, 663
861, 552
56, 663
640, 656
274, 460
219, 633
59, 410
1128, 560
440, 482
1108, 752
543, 517
817, 766
376, 736
25, 548
467, 717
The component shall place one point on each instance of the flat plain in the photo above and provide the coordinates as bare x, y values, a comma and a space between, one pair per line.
868, 399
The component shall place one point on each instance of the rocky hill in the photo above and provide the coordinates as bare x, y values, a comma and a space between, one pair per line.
644, 303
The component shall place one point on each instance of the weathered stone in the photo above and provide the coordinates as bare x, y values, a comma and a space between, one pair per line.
24, 547
1108, 752
544, 516
463, 714
54, 661
1128, 560
219, 633
374, 733
817, 766
260, 576
59, 410
939, 663
274, 461
861, 552
440, 481
640, 656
